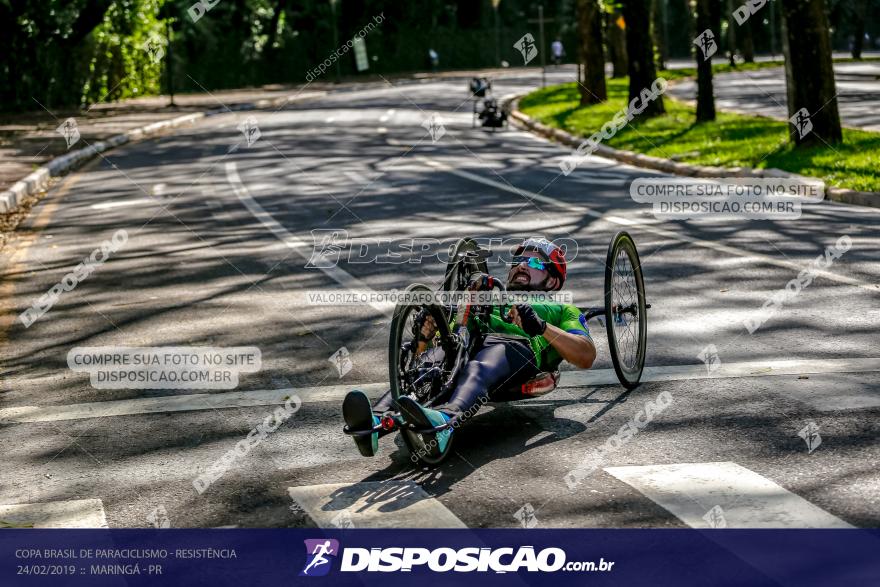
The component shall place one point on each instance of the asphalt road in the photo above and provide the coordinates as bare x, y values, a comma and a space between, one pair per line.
218, 237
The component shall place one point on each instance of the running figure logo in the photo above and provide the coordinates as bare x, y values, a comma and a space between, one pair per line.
341, 359
317, 553
802, 123
810, 434
154, 47
327, 247
526, 46
526, 516
69, 131
434, 126
709, 355
705, 41
251, 130
715, 517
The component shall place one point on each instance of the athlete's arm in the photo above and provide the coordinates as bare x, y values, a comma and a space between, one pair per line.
574, 348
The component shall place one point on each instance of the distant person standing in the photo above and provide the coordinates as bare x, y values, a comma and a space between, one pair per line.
434, 58
558, 51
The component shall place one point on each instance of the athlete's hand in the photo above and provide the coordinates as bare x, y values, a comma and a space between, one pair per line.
525, 317
429, 328
479, 282
426, 334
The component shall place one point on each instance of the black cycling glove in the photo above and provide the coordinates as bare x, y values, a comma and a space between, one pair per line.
532, 324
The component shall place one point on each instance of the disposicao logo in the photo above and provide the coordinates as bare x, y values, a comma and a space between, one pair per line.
318, 553
440, 560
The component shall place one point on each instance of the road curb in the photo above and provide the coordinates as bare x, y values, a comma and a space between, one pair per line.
843, 195
39, 179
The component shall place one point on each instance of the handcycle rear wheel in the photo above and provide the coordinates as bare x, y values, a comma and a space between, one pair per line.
408, 372
626, 318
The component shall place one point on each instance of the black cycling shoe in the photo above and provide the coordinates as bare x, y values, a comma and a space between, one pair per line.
358, 415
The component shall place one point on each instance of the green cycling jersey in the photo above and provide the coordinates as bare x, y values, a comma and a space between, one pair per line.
563, 316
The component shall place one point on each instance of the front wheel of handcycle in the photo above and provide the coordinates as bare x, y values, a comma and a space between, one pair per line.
414, 372
626, 318
465, 259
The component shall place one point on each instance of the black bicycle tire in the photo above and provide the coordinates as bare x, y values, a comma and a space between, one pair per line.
628, 378
395, 338
398, 321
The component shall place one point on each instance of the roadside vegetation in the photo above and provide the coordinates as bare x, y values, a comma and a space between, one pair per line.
731, 140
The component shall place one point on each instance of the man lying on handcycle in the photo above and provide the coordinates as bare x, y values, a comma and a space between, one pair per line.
537, 339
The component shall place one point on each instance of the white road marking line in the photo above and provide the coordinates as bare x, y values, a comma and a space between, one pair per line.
76, 513
601, 181
356, 176
746, 499
833, 400
291, 241
123, 203
178, 403
730, 250
373, 504
728, 371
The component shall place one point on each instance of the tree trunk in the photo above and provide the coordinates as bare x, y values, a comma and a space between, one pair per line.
658, 8
270, 52
747, 41
272, 27
706, 46
641, 55
809, 73
731, 32
617, 44
592, 89
859, 15
68, 64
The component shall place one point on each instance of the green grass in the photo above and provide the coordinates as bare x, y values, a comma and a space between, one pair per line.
685, 72
724, 67
733, 140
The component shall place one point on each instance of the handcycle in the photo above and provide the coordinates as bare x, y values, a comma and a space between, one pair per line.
430, 382
491, 114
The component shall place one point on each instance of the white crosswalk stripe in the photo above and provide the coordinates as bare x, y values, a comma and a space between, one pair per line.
373, 504
724, 495
76, 513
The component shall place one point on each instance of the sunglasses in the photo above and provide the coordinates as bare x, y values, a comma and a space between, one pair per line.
533, 262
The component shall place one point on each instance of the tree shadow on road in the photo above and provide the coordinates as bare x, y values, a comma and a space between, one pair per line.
507, 430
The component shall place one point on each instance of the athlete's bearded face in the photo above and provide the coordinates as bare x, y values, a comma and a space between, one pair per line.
524, 278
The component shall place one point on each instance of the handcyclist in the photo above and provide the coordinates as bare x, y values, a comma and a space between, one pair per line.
537, 339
